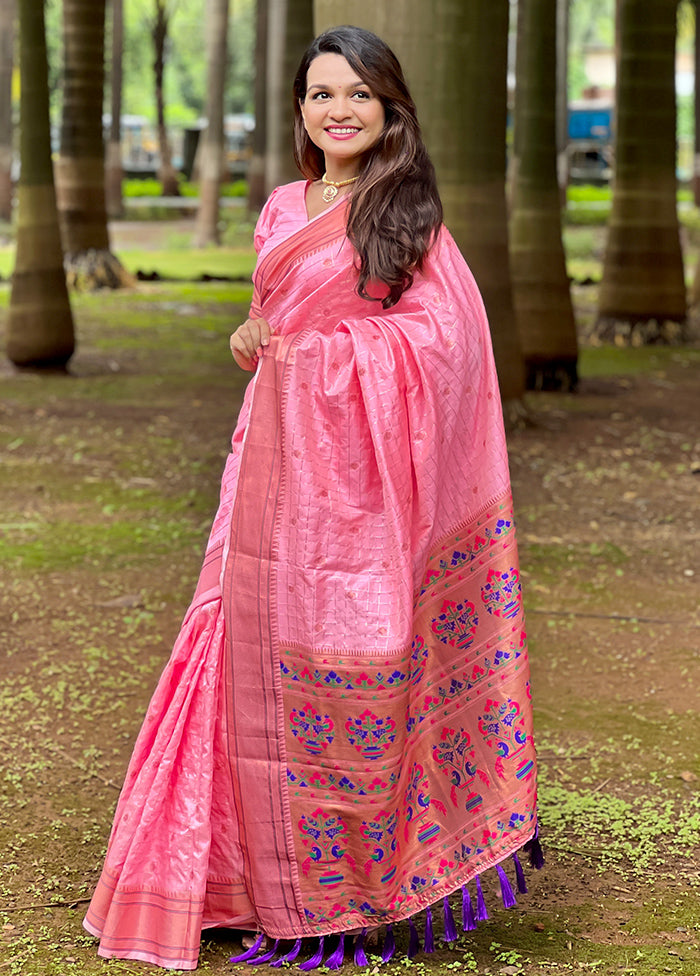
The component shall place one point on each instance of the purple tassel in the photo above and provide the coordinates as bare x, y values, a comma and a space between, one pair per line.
413, 940
360, 955
249, 953
449, 921
534, 849
336, 959
266, 956
389, 944
506, 890
429, 936
481, 910
520, 875
290, 957
315, 961
468, 919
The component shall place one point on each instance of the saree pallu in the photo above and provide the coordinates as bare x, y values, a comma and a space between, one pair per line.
343, 733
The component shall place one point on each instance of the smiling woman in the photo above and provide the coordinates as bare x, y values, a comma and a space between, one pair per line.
342, 738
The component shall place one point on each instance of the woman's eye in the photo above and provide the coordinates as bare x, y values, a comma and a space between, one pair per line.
318, 96
362, 94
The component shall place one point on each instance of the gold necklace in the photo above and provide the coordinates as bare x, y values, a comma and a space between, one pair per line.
332, 187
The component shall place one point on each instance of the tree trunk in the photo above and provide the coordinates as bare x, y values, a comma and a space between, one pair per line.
114, 172
213, 150
289, 33
455, 60
541, 292
7, 34
257, 190
40, 331
80, 169
642, 293
166, 171
696, 108
563, 20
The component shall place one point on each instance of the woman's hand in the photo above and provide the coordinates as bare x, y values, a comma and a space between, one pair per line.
248, 341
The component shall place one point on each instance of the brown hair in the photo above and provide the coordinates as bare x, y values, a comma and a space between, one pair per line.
395, 209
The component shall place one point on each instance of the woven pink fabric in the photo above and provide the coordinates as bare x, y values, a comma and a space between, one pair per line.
343, 733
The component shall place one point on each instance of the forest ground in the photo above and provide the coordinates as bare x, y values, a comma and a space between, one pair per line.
108, 481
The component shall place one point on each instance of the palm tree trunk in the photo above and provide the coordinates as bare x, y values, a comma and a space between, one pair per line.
7, 34
696, 107
643, 286
80, 169
289, 33
213, 150
114, 173
40, 331
166, 171
257, 190
455, 60
543, 305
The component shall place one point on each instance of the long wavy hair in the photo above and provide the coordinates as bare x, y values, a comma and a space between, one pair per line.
395, 208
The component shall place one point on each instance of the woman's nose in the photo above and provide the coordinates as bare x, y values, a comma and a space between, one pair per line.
340, 109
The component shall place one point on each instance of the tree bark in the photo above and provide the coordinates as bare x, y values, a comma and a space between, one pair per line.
166, 171
40, 331
114, 173
643, 290
80, 169
544, 311
455, 59
257, 189
7, 35
696, 108
213, 150
289, 33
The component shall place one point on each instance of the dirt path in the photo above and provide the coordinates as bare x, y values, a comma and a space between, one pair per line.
107, 484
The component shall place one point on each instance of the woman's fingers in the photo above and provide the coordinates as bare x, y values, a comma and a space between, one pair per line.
248, 341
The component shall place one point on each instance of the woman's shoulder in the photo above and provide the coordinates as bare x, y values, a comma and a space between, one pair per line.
287, 199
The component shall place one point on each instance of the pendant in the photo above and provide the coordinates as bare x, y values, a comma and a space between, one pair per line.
330, 193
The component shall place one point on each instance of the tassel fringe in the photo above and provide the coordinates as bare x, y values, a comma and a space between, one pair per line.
389, 944
429, 941
249, 953
449, 921
468, 917
336, 959
289, 957
482, 914
520, 875
259, 952
315, 960
360, 956
266, 956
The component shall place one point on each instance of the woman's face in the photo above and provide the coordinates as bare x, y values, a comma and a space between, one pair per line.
341, 114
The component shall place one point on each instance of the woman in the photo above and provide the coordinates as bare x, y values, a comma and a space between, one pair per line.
342, 736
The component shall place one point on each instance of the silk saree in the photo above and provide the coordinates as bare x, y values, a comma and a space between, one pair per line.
342, 737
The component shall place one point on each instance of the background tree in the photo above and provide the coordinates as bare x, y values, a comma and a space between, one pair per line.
80, 170
455, 57
40, 331
7, 35
114, 173
257, 190
643, 278
213, 159
159, 32
544, 311
290, 30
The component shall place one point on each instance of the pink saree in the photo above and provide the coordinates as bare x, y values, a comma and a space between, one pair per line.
342, 736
